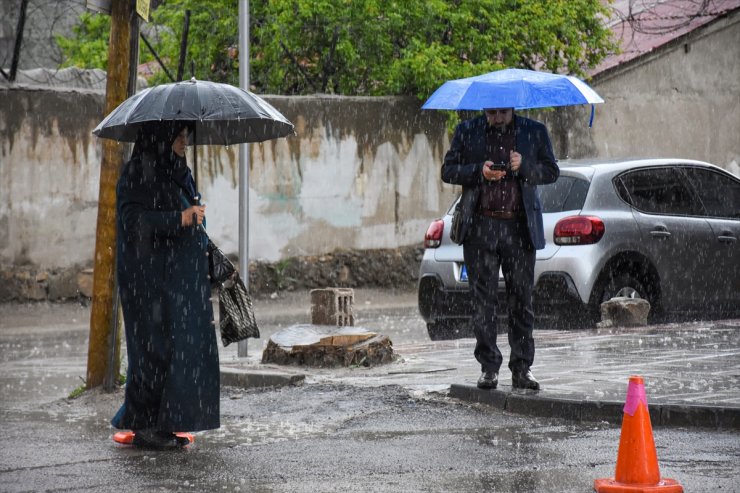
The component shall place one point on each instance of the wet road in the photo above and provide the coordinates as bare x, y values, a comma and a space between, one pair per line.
320, 437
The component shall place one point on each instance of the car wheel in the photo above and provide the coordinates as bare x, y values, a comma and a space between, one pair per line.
623, 285
442, 331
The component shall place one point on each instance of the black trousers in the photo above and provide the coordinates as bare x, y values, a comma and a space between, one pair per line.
505, 243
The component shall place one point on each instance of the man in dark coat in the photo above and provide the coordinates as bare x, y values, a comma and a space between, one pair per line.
499, 159
173, 369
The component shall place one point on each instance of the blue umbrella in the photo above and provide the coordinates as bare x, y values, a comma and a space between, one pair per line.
512, 88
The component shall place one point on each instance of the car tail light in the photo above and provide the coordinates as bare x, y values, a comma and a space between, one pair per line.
579, 230
433, 237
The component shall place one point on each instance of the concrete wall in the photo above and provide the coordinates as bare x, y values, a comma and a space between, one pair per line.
362, 173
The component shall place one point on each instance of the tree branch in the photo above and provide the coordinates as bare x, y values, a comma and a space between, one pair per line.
298, 65
161, 64
329, 60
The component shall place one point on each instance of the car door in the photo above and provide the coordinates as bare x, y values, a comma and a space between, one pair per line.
674, 235
719, 194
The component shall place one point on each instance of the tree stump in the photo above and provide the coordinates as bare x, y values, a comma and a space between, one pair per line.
327, 346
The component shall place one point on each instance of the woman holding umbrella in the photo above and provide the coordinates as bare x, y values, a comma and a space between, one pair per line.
173, 376
173, 369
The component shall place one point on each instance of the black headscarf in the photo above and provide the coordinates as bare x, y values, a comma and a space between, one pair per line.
153, 146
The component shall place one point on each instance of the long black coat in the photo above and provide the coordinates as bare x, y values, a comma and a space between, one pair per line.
463, 165
173, 368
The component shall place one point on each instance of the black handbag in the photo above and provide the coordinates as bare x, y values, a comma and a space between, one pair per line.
456, 224
236, 316
220, 268
463, 213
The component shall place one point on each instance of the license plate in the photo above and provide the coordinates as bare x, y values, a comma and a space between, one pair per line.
463, 273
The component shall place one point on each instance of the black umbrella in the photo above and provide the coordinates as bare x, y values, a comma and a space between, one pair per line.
220, 114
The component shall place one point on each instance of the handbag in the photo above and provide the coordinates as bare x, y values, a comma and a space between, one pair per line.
456, 223
463, 209
235, 313
220, 268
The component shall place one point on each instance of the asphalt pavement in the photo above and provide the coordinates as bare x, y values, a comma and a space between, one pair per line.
416, 424
691, 369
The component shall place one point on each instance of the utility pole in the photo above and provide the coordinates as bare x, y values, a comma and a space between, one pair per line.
102, 356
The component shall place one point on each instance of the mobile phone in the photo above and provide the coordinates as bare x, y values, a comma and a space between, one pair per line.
498, 167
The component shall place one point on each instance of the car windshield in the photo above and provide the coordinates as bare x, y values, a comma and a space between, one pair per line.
568, 193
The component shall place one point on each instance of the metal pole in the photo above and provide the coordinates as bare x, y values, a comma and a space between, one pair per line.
183, 45
243, 160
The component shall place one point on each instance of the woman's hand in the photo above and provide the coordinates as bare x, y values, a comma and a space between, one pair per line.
193, 215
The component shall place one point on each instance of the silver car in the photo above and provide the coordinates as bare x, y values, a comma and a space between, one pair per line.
665, 230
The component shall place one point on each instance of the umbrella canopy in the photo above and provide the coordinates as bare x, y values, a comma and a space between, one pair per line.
221, 114
511, 88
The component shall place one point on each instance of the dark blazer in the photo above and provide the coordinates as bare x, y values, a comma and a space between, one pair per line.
463, 165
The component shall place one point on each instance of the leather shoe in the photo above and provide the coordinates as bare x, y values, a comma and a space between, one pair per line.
524, 380
488, 380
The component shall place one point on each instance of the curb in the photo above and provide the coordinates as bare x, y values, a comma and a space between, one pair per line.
534, 404
255, 379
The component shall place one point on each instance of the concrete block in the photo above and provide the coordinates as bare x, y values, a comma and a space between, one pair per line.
611, 412
332, 306
471, 393
700, 416
531, 404
259, 379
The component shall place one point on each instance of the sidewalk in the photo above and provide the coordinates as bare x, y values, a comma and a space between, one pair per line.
691, 370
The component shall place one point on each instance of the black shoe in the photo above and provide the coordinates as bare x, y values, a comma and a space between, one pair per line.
524, 380
168, 435
157, 440
488, 380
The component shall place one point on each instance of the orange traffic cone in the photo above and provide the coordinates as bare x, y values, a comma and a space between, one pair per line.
637, 462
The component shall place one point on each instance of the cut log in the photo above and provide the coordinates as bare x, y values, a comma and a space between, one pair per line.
328, 346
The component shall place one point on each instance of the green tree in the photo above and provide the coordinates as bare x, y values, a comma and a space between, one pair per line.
88, 47
368, 47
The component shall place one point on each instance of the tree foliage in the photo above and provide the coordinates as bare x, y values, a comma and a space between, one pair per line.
88, 47
366, 47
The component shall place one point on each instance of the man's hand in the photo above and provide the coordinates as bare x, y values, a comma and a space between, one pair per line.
491, 174
516, 160
197, 212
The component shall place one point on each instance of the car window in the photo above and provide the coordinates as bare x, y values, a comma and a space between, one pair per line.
719, 193
568, 193
658, 191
